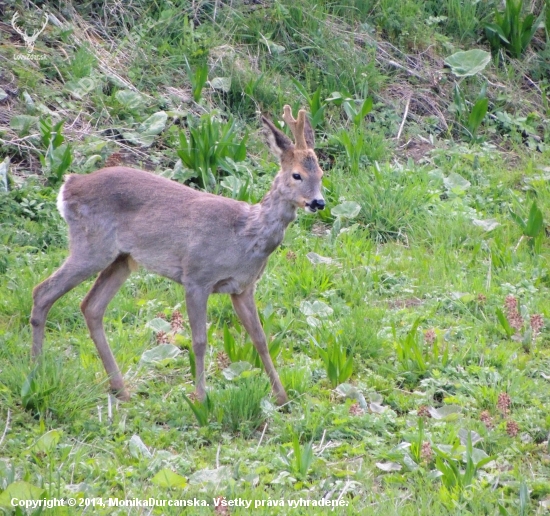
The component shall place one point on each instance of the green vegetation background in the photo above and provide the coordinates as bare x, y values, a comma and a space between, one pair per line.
409, 320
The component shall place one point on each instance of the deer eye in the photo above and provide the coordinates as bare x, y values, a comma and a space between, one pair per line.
298, 177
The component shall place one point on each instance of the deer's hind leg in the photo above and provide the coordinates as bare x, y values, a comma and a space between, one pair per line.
93, 307
73, 272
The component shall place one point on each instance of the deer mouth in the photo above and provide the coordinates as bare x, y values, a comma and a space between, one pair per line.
309, 208
314, 206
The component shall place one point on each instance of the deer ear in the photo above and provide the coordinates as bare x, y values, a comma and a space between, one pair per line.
309, 134
277, 141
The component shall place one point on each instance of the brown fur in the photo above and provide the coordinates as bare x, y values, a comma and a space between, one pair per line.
119, 217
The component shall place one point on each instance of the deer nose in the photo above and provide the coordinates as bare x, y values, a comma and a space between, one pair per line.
318, 204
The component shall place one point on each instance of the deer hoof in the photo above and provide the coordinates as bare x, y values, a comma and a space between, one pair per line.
121, 394
282, 399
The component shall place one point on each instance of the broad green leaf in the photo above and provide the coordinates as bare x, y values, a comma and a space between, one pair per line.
463, 435
155, 124
137, 448
79, 89
470, 62
21, 490
47, 442
160, 353
366, 108
504, 322
496, 30
91, 162
388, 466
316, 259
332, 373
456, 183
464, 297
352, 392
157, 324
273, 47
221, 83
347, 209
376, 408
486, 225
338, 98
477, 456
313, 321
534, 222
22, 124
446, 413
523, 498
3, 94
167, 478
346, 370
317, 308
143, 140
130, 99
519, 221
236, 369
232, 183
478, 114
28, 100
211, 476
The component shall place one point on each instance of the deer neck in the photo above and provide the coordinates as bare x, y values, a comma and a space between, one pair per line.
270, 220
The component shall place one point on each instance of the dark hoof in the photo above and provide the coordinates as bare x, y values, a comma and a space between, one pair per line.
281, 399
121, 394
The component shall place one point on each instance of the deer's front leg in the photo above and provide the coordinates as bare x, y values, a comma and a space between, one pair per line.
248, 314
196, 301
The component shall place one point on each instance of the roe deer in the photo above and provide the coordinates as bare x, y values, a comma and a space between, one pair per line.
120, 218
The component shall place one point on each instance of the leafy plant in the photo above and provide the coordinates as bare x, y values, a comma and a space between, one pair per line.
452, 476
346, 210
210, 146
198, 78
238, 407
355, 147
239, 189
394, 202
247, 352
531, 228
338, 364
417, 442
58, 156
314, 102
34, 396
416, 357
242, 353
510, 31
359, 145
468, 63
300, 458
470, 118
296, 379
355, 109
201, 409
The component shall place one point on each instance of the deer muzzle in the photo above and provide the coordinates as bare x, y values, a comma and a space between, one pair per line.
316, 204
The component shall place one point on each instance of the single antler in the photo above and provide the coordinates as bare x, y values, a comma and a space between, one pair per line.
46, 19
296, 126
16, 28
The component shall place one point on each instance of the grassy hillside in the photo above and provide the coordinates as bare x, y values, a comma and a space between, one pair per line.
408, 320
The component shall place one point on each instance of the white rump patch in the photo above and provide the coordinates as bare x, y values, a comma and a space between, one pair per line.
61, 204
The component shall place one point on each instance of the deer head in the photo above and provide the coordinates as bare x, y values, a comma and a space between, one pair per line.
29, 40
300, 177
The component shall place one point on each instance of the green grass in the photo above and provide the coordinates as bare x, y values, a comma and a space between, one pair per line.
409, 291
